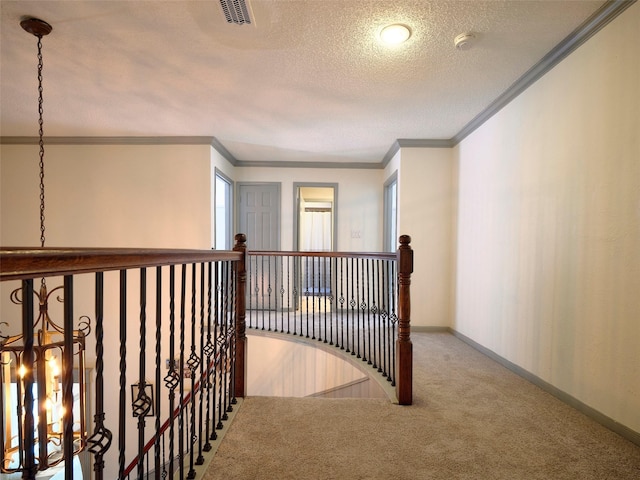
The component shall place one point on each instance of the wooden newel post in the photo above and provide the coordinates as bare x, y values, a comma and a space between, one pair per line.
240, 383
404, 347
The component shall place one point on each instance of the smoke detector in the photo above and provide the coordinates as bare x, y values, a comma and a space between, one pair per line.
464, 41
236, 11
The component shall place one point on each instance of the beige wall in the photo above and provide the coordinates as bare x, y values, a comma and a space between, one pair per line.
425, 201
548, 249
108, 196
359, 202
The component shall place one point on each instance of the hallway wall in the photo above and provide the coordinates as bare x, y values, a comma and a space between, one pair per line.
548, 249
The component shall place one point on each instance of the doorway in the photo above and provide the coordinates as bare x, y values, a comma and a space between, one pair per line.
315, 228
315, 217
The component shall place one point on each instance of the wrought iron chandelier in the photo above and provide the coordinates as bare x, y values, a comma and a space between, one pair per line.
34, 406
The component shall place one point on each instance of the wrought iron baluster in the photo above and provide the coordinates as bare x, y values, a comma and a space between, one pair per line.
306, 294
141, 403
360, 320
181, 427
280, 306
289, 289
350, 310
221, 344
208, 350
269, 291
216, 350
225, 319
341, 301
385, 317
67, 378
366, 307
172, 379
328, 298
296, 290
193, 363
100, 441
262, 291
157, 386
377, 330
123, 372
200, 459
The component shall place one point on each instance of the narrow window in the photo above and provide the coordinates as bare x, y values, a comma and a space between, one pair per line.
390, 238
223, 212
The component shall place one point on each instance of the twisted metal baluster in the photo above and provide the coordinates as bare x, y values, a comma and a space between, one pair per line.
141, 405
376, 317
123, 372
289, 293
296, 301
262, 289
341, 300
193, 363
216, 352
172, 379
158, 363
208, 351
282, 291
226, 376
200, 459
355, 307
181, 429
269, 289
100, 441
366, 307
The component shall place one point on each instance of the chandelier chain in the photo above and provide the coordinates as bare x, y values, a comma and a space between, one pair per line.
41, 141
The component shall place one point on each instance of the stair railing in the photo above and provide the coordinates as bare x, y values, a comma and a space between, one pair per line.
357, 302
133, 297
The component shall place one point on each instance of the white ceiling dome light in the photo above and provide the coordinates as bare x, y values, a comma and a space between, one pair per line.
395, 34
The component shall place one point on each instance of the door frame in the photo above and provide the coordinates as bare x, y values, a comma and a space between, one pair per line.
296, 211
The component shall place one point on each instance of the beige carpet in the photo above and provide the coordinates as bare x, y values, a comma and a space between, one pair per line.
471, 419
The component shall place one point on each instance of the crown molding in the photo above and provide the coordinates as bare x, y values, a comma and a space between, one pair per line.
580, 35
333, 165
220, 148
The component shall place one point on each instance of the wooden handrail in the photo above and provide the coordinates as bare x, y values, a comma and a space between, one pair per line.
18, 263
370, 255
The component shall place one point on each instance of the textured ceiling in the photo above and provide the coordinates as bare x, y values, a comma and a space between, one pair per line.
308, 81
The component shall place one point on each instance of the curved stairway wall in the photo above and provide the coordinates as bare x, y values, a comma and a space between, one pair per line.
281, 366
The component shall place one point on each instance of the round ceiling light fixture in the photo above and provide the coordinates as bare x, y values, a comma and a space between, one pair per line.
395, 34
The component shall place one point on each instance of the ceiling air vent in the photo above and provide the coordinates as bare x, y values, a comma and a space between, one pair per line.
236, 11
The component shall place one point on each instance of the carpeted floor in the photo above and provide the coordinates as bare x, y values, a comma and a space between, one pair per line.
471, 419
